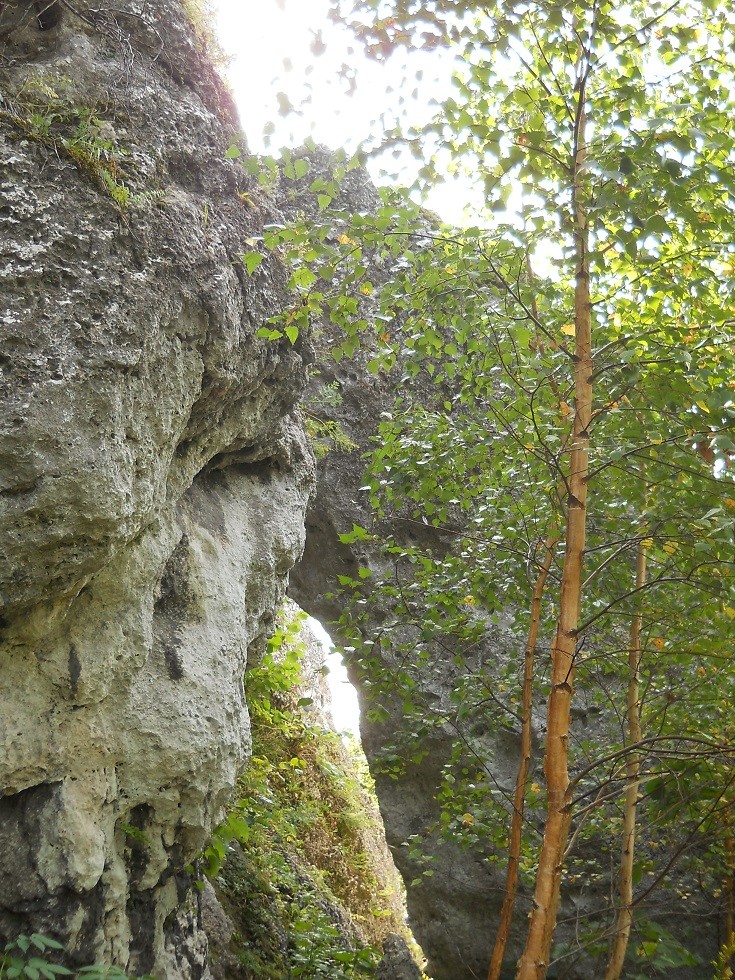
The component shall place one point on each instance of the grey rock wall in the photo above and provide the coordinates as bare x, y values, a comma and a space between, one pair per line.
153, 476
452, 914
154, 479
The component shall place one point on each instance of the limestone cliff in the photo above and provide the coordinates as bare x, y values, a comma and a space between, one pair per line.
153, 476
451, 913
154, 480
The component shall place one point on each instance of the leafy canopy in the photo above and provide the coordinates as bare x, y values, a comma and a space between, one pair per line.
477, 325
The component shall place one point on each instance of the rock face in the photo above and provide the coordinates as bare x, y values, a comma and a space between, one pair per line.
451, 914
154, 479
397, 962
153, 476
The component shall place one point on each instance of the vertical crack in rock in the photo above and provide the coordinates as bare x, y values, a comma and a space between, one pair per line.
75, 669
173, 608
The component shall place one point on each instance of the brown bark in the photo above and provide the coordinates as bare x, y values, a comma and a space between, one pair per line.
729, 943
633, 766
519, 797
534, 961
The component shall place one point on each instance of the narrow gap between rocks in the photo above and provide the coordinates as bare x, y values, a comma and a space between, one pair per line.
345, 707
401, 953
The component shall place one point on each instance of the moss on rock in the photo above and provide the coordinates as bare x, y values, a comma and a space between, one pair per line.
301, 869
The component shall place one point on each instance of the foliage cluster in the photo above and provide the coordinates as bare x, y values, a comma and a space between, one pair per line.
569, 436
326, 434
77, 133
30, 958
201, 17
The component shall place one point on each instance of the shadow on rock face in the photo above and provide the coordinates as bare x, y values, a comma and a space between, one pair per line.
134, 584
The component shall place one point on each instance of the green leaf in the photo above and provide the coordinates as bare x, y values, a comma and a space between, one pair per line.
302, 278
356, 534
269, 334
251, 261
45, 942
233, 152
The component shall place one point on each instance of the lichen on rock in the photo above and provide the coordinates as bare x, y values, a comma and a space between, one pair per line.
153, 476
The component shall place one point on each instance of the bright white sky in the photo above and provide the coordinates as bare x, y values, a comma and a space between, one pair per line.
291, 47
263, 40
345, 705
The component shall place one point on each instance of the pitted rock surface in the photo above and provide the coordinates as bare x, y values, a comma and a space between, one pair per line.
153, 477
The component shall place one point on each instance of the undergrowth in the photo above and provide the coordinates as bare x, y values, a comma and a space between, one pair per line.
31, 958
77, 133
292, 864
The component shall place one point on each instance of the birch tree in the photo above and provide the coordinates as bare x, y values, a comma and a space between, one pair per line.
592, 402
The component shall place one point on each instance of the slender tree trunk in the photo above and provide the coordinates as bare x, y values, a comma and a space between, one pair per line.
730, 910
633, 765
519, 797
729, 942
534, 961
